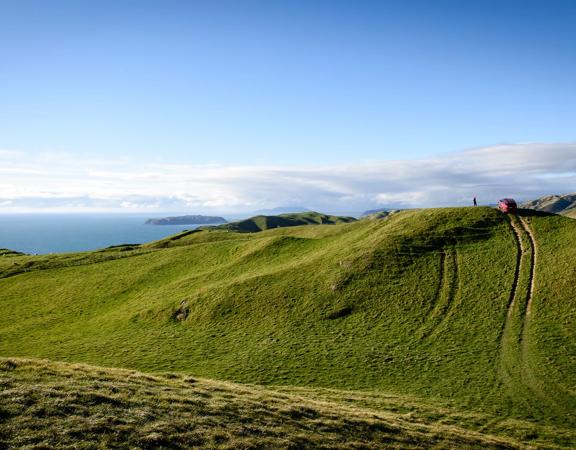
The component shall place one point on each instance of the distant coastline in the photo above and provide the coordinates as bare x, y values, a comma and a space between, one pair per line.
187, 220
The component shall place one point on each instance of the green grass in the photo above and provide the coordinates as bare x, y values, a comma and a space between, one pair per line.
55, 405
417, 304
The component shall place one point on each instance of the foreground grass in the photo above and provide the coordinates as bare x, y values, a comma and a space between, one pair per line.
55, 405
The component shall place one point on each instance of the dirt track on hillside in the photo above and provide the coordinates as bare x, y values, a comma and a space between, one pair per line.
533, 256
519, 251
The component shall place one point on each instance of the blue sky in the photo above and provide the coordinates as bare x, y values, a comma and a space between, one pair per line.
280, 84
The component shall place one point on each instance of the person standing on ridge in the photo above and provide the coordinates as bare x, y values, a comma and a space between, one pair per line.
475, 204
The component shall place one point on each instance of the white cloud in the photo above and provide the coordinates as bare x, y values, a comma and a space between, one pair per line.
5, 153
60, 182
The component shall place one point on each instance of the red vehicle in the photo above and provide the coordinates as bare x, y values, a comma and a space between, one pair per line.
507, 205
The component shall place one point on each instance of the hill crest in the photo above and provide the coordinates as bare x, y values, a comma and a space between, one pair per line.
260, 223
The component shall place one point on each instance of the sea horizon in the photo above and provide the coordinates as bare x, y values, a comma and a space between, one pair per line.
61, 232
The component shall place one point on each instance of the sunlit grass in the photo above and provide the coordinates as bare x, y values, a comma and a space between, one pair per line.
359, 306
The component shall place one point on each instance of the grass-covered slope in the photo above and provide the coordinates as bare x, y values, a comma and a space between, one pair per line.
459, 303
261, 223
54, 405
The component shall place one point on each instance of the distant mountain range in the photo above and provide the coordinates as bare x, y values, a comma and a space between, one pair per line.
281, 210
187, 220
374, 211
558, 204
379, 213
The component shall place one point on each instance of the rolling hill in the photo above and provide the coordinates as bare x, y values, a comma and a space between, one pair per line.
465, 310
382, 214
261, 223
557, 204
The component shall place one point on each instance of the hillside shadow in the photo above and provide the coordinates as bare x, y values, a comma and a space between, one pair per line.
523, 212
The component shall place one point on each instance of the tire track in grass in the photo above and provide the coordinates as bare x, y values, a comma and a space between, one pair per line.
526, 373
541, 389
437, 293
515, 370
453, 288
514, 288
533, 255
443, 306
505, 365
509, 358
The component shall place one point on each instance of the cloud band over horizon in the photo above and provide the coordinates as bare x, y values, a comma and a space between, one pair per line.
64, 183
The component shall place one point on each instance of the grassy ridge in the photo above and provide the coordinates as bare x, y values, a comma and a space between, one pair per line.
416, 304
47, 405
261, 223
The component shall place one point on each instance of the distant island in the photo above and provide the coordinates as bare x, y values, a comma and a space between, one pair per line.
187, 220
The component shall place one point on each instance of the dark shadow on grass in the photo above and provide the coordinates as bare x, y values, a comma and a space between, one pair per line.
522, 212
343, 312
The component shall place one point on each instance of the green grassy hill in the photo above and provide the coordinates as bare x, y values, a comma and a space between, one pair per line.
261, 223
465, 308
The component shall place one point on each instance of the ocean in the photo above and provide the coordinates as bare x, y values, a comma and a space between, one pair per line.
59, 233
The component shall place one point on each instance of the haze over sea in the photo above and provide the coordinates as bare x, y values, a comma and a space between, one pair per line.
56, 233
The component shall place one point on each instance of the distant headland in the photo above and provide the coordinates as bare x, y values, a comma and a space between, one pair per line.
187, 220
